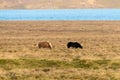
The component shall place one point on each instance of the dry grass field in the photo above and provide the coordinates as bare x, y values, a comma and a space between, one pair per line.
21, 59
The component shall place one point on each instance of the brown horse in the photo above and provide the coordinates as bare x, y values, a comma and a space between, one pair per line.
44, 45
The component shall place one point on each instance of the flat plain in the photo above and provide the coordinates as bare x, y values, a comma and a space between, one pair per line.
21, 59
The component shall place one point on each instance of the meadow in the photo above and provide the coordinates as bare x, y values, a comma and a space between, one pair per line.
21, 59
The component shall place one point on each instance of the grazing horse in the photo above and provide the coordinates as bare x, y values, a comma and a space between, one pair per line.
45, 45
74, 45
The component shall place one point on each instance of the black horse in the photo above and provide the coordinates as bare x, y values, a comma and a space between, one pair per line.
73, 45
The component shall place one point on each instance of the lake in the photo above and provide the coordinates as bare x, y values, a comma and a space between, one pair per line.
61, 14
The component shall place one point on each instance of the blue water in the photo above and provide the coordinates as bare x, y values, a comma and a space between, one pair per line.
61, 14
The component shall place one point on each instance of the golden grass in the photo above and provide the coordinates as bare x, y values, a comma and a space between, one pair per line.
100, 40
